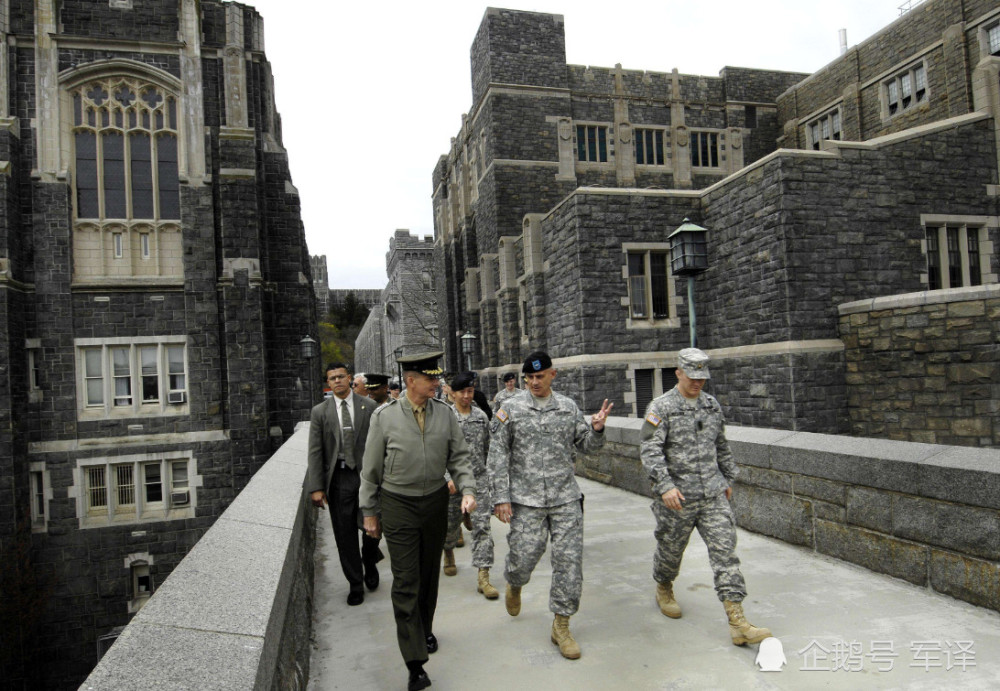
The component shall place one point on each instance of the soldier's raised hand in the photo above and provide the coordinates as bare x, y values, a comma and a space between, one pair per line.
597, 419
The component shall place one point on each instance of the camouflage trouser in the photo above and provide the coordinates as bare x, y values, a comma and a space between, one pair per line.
454, 520
530, 527
482, 537
717, 526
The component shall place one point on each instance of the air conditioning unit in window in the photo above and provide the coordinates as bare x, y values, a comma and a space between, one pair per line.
181, 497
176, 397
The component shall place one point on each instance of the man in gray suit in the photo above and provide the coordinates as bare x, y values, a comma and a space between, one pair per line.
337, 434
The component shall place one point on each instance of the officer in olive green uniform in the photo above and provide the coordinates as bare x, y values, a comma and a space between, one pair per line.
411, 442
685, 453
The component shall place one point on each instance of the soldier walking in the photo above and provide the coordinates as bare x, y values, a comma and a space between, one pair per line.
534, 489
684, 450
475, 429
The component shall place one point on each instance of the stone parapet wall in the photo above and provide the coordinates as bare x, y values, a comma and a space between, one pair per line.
925, 367
926, 513
236, 612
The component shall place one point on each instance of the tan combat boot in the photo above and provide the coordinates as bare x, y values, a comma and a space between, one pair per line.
740, 629
564, 639
488, 591
665, 599
461, 539
449, 563
513, 600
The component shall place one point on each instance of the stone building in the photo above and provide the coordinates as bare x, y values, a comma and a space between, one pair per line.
369, 297
408, 312
154, 287
873, 179
321, 283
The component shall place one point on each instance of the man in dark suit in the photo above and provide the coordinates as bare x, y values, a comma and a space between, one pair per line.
337, 434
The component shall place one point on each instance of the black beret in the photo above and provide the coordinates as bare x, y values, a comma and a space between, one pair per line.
536, 362
462, 380
510, 376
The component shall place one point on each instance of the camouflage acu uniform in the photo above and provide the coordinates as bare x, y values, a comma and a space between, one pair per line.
505, 395
475, 429
531, 466
684, 446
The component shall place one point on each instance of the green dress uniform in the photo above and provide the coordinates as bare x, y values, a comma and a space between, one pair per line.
404, 470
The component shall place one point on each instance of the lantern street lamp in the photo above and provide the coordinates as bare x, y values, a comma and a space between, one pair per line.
309, 349
398, 352
689, 257
468, 348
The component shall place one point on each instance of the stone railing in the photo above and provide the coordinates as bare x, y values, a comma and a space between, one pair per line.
926, 513
236, 612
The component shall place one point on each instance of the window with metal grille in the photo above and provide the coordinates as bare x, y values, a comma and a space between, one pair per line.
140, 488
643, 390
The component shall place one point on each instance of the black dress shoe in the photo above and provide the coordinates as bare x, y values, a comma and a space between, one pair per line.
355, 598
371, 578
432, 643
418, 680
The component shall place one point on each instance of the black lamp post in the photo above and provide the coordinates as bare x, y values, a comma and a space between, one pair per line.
468, 348
309, 349
689, 257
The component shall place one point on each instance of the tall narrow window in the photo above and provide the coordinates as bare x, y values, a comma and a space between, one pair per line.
649, 147
592, 143
648, 285
637, 284
705, 149
38, 497
905, 89
97, 489
124, 487
94, 376
643, 390
150, 374
933, 259
122, 376
954, 257
153, 483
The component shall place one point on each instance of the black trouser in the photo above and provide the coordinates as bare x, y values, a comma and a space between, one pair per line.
344, 514
414, 529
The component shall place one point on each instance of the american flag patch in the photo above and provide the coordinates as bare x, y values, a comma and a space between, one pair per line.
653, 419
502, 415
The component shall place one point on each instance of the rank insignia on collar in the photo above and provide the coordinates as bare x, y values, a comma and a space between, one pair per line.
502, 415
653, 419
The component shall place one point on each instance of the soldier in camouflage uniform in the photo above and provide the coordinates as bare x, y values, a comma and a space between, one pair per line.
684, 450
509, 391
475, 429
534, 489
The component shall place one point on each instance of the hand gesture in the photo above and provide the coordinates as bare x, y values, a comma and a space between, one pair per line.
598, 418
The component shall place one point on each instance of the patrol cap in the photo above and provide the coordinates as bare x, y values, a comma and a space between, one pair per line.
694, 363
425, 363
373, 381
462, 380
536, 362
510, 376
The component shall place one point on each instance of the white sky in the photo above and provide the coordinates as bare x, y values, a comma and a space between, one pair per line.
371, 93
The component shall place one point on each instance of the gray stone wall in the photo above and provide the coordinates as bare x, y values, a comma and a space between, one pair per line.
236, 613
925, 367
925, 513
146, 20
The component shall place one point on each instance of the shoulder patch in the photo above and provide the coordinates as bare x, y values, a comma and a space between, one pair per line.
653, 419
502, 415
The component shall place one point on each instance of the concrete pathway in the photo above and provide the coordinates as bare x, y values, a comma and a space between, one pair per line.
828, 615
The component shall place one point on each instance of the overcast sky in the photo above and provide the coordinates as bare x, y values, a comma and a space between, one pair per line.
371, 93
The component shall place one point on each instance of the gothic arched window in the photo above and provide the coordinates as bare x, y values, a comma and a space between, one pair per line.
126, 181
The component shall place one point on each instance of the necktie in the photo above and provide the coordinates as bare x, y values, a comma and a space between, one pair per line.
418, 413
347, 426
